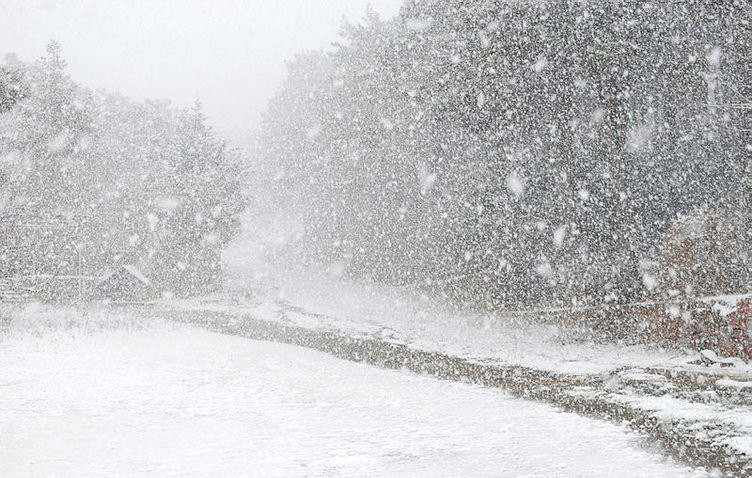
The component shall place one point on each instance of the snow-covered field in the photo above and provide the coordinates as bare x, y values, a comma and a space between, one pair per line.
108, 396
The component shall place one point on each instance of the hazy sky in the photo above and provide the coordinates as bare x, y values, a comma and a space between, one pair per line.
229, 53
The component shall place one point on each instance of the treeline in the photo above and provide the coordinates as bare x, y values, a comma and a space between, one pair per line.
522, 153
92, 180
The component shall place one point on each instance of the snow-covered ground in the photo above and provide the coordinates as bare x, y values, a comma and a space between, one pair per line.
101, 395
633, 374
408, 316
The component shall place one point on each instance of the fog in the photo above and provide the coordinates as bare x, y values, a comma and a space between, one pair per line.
230, 54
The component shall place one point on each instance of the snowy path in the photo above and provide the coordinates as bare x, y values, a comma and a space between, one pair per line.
166, 400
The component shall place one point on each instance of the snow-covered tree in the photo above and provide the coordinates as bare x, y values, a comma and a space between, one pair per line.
517, 153
95, 180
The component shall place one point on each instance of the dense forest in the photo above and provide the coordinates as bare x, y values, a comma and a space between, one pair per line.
523, 153
92, 180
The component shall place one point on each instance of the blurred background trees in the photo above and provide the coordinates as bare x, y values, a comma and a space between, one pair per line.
93, 180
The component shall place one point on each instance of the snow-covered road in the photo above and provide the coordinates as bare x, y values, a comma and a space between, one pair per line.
169, 400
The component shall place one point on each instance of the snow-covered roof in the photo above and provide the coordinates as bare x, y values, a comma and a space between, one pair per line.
133, 270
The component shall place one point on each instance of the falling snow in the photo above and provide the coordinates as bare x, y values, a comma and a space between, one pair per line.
546, 204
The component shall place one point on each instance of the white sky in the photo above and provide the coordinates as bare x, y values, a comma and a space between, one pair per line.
229, 53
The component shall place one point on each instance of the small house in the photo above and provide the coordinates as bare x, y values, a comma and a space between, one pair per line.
126, 284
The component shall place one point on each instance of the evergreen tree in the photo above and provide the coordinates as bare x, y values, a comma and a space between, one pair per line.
514, 153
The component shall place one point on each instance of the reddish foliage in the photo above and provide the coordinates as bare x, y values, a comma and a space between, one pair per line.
699, 325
